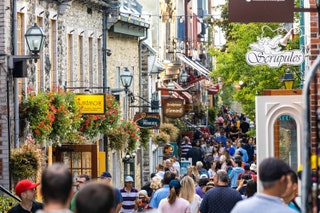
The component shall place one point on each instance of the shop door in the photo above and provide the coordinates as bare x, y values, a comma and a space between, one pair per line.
81, 159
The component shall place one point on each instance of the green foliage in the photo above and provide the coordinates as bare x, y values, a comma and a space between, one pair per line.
212, 114
6, 203
232, 66
144, 137
52, 116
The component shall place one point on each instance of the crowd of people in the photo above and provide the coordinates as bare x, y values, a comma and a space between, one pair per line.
222, 178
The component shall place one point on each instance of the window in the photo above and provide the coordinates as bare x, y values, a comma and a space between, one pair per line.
70, 64
53, 53
90, 62
100, 68
20, 49
80, 62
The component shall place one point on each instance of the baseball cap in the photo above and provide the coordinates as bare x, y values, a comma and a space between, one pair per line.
105, 175
253, 167
271, 169
203, 176
175, 184
25, 185
128, 179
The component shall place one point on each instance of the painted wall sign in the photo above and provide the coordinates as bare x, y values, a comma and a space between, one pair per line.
147, 120
173, 108
247, 11
268, 52
91, 104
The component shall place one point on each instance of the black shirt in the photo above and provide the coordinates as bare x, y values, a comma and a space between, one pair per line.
18, 209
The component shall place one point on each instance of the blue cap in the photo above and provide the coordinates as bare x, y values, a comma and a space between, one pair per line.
105, 175
175, 184
128, 179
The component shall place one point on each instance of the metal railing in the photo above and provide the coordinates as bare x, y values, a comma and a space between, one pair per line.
9, 193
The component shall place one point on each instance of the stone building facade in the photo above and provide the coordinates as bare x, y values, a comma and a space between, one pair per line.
73, 56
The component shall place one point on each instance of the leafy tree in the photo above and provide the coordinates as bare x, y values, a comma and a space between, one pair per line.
232, 67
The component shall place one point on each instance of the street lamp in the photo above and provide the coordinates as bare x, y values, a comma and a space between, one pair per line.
126, 78
288, 80
35, 39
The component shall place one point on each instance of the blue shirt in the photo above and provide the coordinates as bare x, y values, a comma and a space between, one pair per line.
244, 152
262, 203
158, 196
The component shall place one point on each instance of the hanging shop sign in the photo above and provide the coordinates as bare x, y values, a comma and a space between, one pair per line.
147, 120
173, 108
91, 103
246, 11
268, 52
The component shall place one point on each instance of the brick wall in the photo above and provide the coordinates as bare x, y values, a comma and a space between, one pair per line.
315, 85
5, 46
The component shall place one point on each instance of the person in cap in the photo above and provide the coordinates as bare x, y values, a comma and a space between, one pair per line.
273, 178
130, 196
95, 197
106, 177
174, 203
81, 180
221, 198
26, 190
56, 189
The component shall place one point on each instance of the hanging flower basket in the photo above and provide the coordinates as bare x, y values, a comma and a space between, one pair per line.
26, 160
170, 130
133, 131
161, 139
53, 116
117, 138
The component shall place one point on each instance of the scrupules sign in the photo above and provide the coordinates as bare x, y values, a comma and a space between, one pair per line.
173, 108
268, 52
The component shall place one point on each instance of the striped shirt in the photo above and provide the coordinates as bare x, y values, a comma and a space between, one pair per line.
129, 199
185, 147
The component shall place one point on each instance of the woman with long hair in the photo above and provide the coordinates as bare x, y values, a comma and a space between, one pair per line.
187, 192
174, 203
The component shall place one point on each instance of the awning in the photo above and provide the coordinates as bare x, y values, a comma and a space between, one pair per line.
187, 96
194, 64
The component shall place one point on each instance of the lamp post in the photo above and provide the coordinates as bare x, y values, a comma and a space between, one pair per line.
17, 65
126, 80
288, 80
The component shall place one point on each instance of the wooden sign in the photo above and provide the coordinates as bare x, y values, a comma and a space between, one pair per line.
173, 108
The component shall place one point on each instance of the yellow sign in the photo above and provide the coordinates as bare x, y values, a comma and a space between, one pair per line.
91, 104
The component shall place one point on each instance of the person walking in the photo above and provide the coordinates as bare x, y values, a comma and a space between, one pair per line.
106, 177
56, 189
273, 178
221, 198
130, 196
188, 192
174, 203
81, 181
95, 197
162, 192
26, 190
